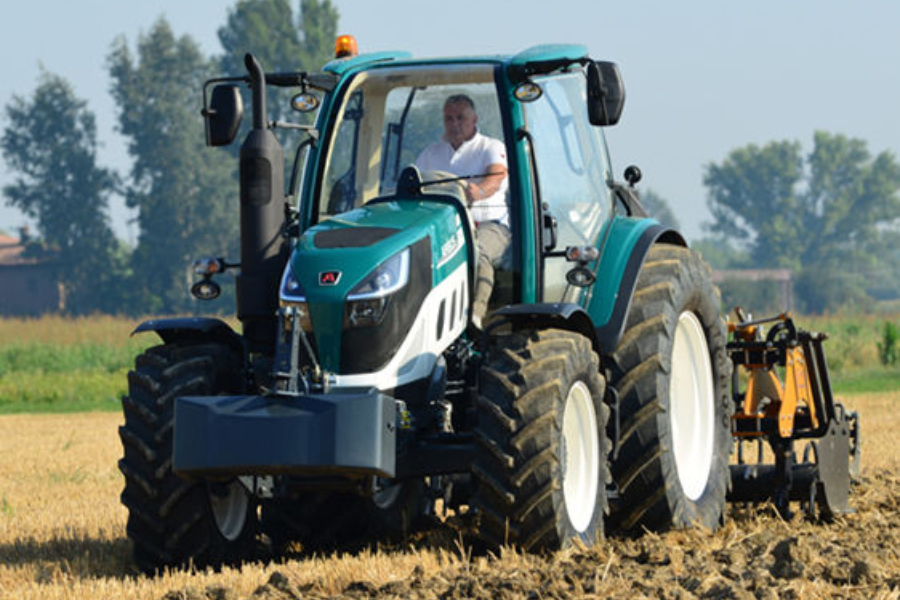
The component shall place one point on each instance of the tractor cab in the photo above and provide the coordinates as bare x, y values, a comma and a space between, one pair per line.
386, 113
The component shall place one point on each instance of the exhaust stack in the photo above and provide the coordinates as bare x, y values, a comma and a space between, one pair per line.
263, 250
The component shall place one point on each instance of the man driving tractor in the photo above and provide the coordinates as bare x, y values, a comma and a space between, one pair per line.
465, 152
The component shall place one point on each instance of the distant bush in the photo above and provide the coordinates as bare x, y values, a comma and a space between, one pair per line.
888, 350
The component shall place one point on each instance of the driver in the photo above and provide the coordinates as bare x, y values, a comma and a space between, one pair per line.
464, 152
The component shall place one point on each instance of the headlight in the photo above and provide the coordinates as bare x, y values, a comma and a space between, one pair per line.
366, 303
291, 296
387, 278
291, 290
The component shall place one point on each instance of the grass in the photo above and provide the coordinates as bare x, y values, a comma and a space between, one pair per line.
76, 391
57, 364
37, 376
863, 381
852, 351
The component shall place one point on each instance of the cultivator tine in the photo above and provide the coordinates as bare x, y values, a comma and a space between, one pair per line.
855, 445
833, 485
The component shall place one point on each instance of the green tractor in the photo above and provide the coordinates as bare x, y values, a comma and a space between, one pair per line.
363, 389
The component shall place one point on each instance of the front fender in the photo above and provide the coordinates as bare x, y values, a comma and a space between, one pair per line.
197, 329
551, 314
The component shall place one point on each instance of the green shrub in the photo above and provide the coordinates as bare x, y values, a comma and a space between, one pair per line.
888, 349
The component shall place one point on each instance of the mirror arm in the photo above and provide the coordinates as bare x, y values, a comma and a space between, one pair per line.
287, 125
312, 140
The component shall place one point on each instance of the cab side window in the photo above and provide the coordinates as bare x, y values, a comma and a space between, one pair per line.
573, 171
340, 183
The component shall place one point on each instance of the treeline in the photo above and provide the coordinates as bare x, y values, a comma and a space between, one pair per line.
830, 217
184, 195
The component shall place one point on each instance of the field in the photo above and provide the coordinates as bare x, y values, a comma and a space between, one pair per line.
62, 528
54, 364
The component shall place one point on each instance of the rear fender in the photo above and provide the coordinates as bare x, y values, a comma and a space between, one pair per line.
623, 254
194, 329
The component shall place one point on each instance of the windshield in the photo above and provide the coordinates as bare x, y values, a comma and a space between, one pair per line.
389, 116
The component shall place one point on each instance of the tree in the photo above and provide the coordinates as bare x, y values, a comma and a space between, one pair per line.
50, 144
185, 193
659, 209
266, 29
832, 217
281, 41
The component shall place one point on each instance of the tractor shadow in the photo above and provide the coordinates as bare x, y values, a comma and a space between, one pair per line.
454, 535
61, 558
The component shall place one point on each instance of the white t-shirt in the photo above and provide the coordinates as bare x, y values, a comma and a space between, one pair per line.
473, 157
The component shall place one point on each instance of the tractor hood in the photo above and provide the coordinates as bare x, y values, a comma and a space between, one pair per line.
364, 275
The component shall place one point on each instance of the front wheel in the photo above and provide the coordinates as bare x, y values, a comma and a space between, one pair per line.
671, 372
173, 522
541, 456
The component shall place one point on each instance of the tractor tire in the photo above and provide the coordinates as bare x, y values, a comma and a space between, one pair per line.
540, 468
672, 375
173, 522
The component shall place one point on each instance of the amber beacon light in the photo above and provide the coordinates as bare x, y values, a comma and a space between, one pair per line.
345, 45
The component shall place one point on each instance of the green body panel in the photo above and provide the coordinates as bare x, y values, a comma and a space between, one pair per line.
622, 235
412, 219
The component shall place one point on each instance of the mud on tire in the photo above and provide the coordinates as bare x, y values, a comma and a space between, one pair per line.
675, 409
541, 456
173, 522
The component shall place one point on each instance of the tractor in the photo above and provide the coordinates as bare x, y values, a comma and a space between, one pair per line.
360, 392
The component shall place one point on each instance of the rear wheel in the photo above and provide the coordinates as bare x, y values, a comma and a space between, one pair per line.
541, 457
671, 372
173, 522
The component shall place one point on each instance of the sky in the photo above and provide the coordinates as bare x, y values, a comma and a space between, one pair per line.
702, 77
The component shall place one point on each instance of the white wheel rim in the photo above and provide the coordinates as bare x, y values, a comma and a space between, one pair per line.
691, 406
229, 509
580, 456
387, 496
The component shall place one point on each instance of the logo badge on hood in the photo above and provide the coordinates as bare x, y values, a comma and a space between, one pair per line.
329, 277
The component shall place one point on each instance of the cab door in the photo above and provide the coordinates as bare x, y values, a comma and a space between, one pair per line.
572, 176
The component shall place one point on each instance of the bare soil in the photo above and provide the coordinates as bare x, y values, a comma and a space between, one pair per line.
62, 536
756, 555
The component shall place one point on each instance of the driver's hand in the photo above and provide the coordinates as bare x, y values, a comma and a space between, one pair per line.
474, 193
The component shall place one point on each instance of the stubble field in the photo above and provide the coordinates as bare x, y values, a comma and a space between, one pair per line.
62, 535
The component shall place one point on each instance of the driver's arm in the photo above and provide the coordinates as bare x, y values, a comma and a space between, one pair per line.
488, 185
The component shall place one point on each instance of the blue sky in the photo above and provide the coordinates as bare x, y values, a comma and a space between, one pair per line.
702, 77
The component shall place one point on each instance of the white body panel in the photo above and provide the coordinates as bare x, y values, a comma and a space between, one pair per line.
441, 320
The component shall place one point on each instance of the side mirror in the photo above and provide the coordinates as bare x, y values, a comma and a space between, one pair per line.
606, 93
223, 116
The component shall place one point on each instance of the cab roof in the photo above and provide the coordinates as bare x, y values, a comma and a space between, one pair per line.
536, 59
